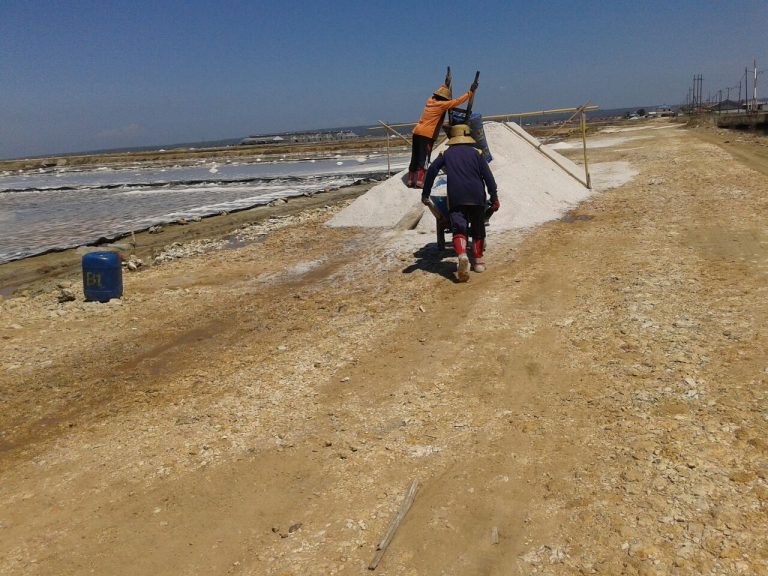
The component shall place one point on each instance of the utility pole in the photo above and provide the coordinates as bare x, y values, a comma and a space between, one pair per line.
746, 90
698, 91
693, 94
754, 88
698, 94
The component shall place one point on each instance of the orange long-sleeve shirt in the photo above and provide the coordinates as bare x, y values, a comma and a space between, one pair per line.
433, 111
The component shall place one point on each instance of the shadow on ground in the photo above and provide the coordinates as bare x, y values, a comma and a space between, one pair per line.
431, 259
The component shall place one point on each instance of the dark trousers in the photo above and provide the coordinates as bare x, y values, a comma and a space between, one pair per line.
464, 218
420, 150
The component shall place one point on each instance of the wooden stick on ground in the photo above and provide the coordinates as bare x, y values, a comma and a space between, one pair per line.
393, 526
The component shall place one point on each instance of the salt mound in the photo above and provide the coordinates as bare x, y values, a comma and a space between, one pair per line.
534, 186
384, 205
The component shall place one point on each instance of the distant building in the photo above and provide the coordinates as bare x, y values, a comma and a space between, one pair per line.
299, 137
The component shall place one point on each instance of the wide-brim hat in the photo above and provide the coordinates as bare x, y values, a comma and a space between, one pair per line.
444, 91
460, 134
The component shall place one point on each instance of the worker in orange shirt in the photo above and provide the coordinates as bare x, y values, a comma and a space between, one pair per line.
426, 131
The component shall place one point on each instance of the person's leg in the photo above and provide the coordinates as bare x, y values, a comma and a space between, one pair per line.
414, 165
427, 150
459, 228
476, 216
418, 152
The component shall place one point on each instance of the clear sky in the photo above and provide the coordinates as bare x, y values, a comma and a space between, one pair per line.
82, 75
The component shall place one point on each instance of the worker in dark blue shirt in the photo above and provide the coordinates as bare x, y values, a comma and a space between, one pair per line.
468, 176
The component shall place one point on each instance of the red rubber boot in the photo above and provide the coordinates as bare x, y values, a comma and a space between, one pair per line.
411, 182
420, 178
460, 245
477, 250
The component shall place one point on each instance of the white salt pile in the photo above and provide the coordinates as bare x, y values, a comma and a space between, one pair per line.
534, 186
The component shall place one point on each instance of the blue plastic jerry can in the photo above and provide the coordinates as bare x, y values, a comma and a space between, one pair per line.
102, 276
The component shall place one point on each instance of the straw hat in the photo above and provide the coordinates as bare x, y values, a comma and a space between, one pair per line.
460, 134
445, 92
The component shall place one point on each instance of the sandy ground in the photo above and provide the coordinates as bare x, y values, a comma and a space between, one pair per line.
598, 396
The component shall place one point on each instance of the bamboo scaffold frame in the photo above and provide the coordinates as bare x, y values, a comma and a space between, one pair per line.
577, 111
505, 117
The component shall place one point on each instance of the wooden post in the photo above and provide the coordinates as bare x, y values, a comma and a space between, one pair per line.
389, 170
584, 145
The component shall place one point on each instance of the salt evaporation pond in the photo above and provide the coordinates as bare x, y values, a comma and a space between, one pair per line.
53, 210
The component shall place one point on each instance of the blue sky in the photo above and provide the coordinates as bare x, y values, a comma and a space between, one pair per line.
85, 75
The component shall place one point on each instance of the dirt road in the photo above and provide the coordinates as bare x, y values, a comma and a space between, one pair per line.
598, 397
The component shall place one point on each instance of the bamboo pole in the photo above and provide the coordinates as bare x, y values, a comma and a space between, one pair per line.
502, 116
571, 117
540, 112
547, 154
391, 128
584, 146
389, 168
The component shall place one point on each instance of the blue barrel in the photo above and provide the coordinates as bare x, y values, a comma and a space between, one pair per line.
102, 276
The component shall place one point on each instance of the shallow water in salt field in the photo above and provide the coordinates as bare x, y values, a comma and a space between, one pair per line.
57, 209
